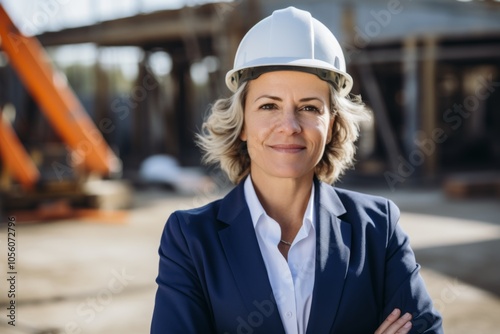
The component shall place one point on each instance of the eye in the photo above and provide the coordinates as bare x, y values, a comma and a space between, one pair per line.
268, 106
310, 108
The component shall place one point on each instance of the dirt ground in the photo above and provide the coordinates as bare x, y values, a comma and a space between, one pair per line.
76, 276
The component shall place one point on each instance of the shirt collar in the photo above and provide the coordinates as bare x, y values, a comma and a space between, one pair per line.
256, 209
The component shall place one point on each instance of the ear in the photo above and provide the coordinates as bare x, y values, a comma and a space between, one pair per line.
243, 134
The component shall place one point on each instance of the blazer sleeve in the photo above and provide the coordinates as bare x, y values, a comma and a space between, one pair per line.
404, 287
180, 305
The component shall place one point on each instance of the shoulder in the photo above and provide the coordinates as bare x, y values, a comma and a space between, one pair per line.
373, 204
366, 212
205, 210
195, 218
212, 216
187, 230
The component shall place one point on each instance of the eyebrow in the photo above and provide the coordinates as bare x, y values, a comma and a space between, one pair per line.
276, 98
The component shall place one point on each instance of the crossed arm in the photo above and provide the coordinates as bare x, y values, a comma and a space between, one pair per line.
395, 323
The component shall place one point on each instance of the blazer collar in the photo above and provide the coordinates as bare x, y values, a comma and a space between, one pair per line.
234, 202
333, 243
242, 251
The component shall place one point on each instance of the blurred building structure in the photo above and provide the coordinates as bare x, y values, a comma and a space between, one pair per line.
159, 117
430, 71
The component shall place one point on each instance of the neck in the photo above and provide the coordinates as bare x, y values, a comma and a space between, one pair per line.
284, 199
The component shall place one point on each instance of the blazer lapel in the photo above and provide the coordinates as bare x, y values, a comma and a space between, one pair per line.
333, 242
244, 257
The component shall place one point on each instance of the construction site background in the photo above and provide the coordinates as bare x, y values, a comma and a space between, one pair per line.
98, 111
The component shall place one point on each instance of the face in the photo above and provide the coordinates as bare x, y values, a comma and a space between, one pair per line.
287, 124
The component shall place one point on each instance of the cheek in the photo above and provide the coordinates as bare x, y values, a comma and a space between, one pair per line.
328, 127
322, 134
259, 128
321, 127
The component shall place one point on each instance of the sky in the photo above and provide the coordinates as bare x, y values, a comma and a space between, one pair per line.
36, 16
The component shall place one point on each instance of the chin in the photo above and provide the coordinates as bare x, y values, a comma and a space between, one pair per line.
292, 174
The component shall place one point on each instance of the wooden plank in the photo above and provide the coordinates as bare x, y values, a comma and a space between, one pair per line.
470, 185
428, 107
384, 55
389, 139
411, 101
162, 26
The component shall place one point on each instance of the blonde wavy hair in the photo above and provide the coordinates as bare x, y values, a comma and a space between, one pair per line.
220, 140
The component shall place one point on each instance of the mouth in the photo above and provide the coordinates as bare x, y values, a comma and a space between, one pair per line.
288, 148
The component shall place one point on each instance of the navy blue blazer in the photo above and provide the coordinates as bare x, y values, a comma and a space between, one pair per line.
212, 277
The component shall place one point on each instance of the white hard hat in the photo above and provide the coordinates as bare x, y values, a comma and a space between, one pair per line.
290, 39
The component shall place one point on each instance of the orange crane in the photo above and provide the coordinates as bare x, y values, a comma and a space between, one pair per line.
57, 101
16, 159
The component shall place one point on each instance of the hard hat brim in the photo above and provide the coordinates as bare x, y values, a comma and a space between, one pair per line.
274, 64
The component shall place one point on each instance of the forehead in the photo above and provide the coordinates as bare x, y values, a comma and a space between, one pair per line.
289, 82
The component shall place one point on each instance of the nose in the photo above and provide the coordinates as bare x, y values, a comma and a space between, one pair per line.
289, 123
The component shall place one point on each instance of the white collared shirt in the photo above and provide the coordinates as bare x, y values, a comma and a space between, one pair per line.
293, 281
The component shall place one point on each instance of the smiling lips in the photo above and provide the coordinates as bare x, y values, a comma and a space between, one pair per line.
288, 148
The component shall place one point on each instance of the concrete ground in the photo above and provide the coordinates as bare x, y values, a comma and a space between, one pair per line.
94, 277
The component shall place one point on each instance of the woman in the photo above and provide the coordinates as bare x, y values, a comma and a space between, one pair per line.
285, 252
